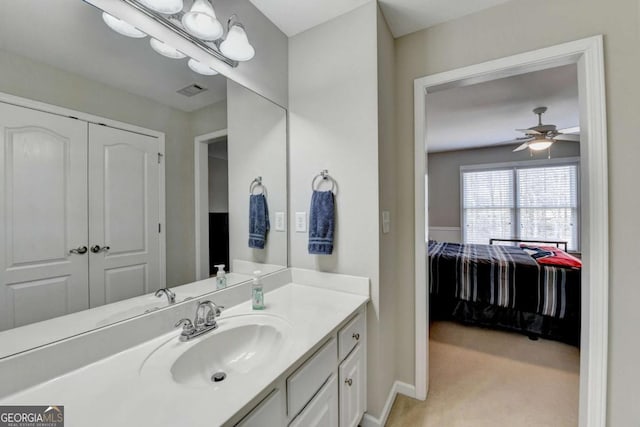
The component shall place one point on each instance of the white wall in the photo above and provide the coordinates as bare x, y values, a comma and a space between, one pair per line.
498, 32
257, 146
333, 124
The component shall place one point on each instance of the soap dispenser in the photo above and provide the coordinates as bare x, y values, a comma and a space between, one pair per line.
257, 293
221, 279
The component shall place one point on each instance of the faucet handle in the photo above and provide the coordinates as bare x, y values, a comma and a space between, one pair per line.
187, 326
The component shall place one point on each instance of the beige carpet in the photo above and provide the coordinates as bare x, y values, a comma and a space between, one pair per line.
480, 377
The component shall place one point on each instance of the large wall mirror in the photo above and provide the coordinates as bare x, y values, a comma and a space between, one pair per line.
163, 175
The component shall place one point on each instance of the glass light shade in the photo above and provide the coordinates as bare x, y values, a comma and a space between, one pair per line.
236, 46
201, 21
167, 7
540, 144
201, 68
121, 27
165, 50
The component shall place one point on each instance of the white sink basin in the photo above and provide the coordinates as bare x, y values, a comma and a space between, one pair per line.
243, 346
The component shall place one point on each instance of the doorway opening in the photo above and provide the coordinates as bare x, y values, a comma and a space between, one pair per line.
212, 203
586, 55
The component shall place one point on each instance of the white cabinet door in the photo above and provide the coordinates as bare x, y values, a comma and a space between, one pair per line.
269, 412
322, 411
352, 388
123, 214
43, 215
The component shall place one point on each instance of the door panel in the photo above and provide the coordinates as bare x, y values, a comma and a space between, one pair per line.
43, 202
123, 214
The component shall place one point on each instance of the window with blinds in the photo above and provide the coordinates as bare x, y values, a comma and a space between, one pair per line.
522, 202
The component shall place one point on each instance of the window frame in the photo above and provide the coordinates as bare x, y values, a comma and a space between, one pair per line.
513, 166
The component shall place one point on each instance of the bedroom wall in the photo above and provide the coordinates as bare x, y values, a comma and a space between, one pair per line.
498, 32
444, 175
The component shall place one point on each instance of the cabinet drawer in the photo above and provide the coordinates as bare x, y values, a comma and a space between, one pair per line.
307, 380
351, 335
322, 411
269, 412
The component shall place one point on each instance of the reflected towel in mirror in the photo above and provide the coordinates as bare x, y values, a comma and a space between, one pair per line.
321, 223
258, 221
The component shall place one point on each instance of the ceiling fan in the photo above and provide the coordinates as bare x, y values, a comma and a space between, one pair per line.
540, 137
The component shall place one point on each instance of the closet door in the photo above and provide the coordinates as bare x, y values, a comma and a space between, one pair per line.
124, 258
43, 216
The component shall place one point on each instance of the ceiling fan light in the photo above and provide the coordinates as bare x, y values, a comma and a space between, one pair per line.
122, 27
236, 45
166, 50
201, 68
201, 21
167, 7
540, 144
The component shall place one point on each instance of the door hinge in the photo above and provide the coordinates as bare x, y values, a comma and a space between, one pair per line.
159, 228
160, 157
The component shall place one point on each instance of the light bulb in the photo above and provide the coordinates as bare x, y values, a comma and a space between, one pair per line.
168, 7
201, 68
540, 144
165, 50
201, 21
122, 27
236, 46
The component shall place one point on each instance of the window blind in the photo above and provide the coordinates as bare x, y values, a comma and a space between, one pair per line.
521, 202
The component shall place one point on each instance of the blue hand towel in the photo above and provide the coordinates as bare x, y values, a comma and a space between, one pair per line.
258, 221
321, 223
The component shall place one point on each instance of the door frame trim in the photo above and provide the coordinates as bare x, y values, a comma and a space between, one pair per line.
201, 169
587, 54
91, 118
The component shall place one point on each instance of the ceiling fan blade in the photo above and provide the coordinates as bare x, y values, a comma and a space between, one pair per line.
567, 137
573, 129
529, 131
522, 147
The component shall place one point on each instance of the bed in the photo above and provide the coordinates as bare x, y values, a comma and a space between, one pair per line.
504, 287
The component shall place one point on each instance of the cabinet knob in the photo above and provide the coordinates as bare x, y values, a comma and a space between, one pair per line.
355, 336
348, 382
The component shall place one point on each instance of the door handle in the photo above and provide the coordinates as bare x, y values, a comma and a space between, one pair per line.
96, 249
80, 250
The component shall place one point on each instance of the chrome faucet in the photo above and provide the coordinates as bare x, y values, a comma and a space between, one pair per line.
204, 321
171, 296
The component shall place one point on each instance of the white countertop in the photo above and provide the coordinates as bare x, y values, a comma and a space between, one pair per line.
113, 392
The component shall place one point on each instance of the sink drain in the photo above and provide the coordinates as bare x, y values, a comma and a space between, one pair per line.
218, 376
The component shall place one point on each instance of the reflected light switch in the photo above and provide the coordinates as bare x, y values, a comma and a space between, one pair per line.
301, 222
279, 221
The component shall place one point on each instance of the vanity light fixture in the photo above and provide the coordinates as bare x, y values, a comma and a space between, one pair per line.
201, 68
168, 7
201, 21
197, 23
122, 27
165, 49
236, 45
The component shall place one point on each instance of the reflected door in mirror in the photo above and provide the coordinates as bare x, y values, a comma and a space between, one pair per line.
123, 215
43, 200
80, 206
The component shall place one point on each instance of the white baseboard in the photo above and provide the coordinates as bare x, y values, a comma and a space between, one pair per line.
398, 388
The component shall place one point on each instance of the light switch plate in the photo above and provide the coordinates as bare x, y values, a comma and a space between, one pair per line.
280, 221
386, 221
301, 222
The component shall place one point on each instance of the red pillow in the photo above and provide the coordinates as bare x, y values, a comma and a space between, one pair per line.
551, 255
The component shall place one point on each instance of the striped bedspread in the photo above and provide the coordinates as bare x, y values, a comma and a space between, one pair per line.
504, 276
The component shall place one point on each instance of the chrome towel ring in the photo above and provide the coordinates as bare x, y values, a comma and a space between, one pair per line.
257, 183
324, 175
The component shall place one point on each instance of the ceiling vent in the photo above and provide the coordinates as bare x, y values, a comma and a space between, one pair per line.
192, 90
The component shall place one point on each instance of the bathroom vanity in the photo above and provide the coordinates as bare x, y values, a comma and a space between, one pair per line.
299, 362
